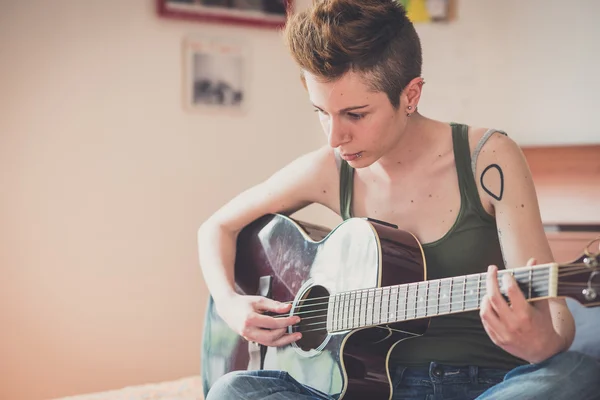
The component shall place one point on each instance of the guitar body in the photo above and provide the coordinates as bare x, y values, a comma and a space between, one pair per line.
305, 263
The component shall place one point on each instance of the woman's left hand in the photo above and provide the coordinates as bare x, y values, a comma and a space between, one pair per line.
522, 329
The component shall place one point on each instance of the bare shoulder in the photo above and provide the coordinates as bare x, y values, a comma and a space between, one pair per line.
500, 169
310, 178
499, 147
313, 175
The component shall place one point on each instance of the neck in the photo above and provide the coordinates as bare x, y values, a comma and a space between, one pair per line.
399, 303
417, 144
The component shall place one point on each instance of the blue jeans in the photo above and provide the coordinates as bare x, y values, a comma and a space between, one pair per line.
566, 376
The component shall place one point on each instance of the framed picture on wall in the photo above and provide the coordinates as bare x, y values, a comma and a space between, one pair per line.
429, 10
263, 13
214, 74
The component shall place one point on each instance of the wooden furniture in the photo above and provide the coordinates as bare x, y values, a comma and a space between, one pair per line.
567, 181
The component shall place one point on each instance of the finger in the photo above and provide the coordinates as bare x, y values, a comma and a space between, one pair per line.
262, 336
518, 303
492, 324
531, 262
286, 339
265, 304
265, 321
494, 295
489, 318
274, 338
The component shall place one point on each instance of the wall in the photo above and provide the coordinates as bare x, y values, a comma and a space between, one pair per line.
105, 178
528, 67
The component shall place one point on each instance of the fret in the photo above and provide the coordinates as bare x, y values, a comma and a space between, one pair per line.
351, 310
541, 282
433, 300
479, 289
336, 313
356, 313
445, 296
530, 281
385, 305
464, 291
344, 311
421, 304
370, 304
393, 304
411, 301
377, 307
458, 294
330, 314
471, 290
363, 307
426, 301
403, 303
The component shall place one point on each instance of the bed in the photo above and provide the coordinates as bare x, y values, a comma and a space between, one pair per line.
188, 388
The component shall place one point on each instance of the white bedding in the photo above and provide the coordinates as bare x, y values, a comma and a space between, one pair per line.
189, 388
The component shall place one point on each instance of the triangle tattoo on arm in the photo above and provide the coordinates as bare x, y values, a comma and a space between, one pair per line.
487, 171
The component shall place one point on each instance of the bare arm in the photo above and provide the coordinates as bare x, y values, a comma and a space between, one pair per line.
532, 332
309, 179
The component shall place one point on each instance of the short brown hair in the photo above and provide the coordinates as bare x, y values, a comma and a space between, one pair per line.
372, 37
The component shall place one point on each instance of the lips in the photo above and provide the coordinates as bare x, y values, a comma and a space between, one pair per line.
351, 156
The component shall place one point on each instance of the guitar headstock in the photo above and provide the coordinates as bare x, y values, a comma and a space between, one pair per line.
580, 279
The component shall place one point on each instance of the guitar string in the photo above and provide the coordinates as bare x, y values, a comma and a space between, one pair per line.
414, 316
406, 300
536, 276
406, 288
404, 295
402, 298
400, 310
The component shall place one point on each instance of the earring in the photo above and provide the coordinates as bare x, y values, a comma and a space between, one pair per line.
409, 108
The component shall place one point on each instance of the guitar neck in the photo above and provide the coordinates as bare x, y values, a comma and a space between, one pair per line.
385, 305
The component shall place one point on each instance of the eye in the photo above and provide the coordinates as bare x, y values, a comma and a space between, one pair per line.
355, 116
322, 114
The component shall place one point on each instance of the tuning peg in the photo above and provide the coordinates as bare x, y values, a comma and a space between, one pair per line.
590, 262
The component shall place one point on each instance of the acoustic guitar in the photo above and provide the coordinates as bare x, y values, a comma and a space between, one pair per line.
359, 289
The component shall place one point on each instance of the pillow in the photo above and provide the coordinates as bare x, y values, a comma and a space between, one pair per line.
587, 324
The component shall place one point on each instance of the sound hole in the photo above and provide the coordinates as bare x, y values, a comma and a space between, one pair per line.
312, 309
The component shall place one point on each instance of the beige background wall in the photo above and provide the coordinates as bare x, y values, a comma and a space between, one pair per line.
104, 179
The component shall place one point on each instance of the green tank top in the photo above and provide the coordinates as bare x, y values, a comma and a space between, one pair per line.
467, 248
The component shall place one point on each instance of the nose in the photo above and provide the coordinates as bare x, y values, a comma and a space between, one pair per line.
336, 135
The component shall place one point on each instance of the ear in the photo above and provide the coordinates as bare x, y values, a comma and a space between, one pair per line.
303, 80
412, 93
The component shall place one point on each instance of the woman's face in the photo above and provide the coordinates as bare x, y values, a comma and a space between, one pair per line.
360, 123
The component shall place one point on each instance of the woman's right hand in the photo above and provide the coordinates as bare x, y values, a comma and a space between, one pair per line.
245, 315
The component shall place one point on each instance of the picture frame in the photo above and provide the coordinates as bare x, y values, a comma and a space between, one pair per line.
257, 13
430, 11
215, 74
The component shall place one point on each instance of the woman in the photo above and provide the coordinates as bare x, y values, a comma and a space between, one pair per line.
465, 192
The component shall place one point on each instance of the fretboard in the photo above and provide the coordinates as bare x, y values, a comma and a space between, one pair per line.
385, 305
